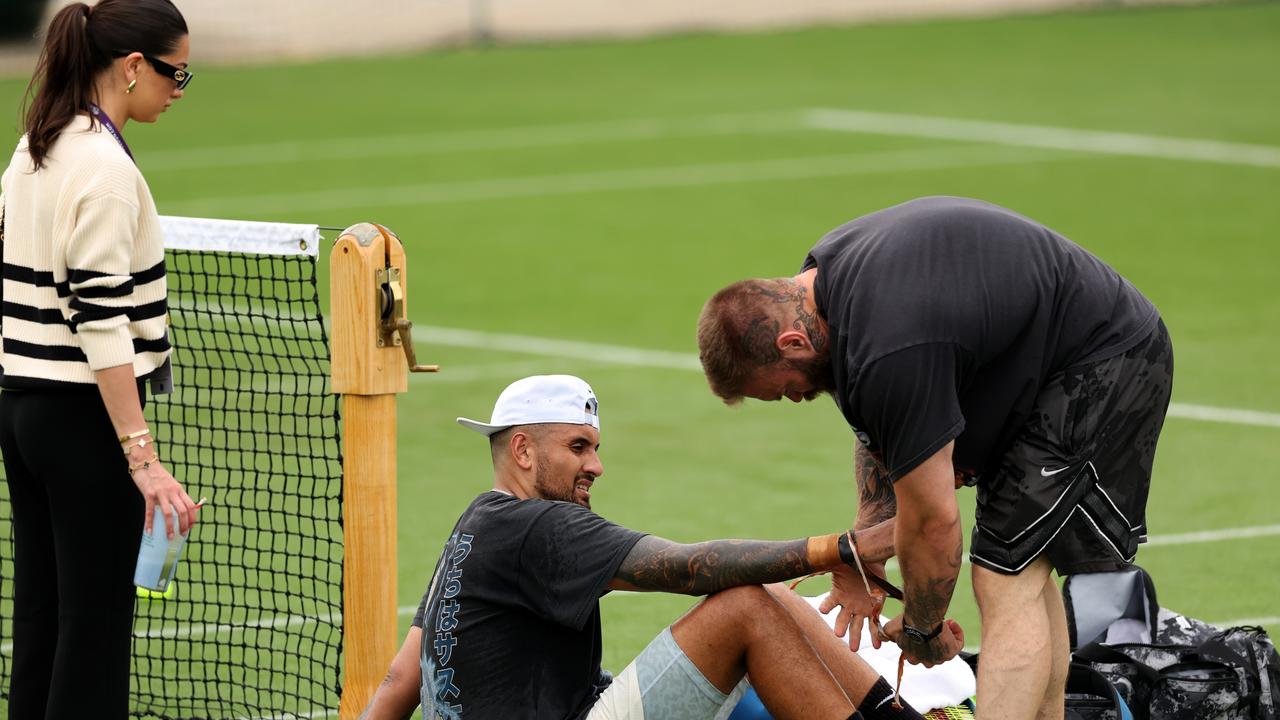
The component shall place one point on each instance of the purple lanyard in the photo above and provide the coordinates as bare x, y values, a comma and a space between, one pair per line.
111, 128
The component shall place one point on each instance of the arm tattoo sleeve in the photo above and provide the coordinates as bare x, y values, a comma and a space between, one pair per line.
928, 598
876, 501
702, 568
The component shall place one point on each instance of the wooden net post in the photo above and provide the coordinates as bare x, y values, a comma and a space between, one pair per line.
371, 343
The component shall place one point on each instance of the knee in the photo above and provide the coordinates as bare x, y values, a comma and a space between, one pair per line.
745, 603
743, 596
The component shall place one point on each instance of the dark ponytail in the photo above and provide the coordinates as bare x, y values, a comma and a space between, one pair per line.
81, 43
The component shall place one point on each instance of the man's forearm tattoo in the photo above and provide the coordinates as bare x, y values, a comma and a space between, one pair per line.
703, 568
876, 501
927, 599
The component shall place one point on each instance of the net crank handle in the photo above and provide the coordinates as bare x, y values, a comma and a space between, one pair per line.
394, 326
403, 326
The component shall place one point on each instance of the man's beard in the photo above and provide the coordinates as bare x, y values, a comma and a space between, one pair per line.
542, 484
817, 370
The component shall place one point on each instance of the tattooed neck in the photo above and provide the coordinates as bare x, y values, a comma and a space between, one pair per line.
812, 325
796, 294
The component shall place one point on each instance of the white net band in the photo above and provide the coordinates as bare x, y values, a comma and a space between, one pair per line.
240, 236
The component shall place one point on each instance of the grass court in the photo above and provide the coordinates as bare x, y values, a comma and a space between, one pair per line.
569, 207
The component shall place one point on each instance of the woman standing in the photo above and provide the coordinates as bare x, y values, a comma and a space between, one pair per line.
83, 331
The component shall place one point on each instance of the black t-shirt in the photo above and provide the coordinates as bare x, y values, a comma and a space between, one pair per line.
511, 620
947, 316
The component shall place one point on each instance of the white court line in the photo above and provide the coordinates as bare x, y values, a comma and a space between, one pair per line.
1043, 136
638, 129
528, 345
282, 621
292, 716
1225, 415
476, 373
1189, 538
677, 176
1272, 620
1204, 536
409, 610
638, 357
200, 630
180, 632
508, 138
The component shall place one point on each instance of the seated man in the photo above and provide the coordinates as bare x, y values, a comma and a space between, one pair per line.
510, 625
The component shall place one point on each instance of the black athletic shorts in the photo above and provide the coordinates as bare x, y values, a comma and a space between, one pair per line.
1074, 483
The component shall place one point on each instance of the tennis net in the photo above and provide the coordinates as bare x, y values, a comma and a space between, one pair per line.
254, 629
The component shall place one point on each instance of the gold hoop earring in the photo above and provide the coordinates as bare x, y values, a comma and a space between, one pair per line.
130, 88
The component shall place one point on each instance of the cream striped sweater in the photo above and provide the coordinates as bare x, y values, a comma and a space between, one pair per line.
84, 281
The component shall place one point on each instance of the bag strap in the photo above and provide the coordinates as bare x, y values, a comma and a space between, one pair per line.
1217, 650
1213, 649
1153, 606
1068, 603
1099, 653
1086, 680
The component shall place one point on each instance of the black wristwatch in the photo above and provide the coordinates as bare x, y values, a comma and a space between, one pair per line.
920, 636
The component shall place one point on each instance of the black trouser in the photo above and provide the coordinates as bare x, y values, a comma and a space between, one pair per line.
77, 524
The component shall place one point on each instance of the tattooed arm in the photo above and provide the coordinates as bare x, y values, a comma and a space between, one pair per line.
876, 501
875, 538
703, 568
929, 545
877, 506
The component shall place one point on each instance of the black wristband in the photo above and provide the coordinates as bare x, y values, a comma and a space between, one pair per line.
920, 636
847, 544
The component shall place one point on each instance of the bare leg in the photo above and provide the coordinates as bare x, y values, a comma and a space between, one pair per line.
782, 642
1054, 704
1017, 641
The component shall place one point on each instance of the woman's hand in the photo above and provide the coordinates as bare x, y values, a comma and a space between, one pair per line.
160, 489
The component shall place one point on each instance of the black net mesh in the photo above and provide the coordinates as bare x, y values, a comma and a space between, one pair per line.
254, 629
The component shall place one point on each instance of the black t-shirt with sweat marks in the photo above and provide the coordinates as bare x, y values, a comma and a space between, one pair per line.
511, 620
947, 316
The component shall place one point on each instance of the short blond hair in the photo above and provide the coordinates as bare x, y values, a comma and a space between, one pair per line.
737, 334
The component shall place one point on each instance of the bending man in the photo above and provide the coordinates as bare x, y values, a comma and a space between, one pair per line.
966, 344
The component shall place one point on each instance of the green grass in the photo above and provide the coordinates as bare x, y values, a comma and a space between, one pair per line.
632, 266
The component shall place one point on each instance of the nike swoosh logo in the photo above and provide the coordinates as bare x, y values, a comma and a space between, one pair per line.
1046, 472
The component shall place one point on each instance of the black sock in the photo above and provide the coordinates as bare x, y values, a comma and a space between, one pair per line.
878, 705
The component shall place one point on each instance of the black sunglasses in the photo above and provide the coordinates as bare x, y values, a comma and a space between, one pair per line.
177, 74
180, 76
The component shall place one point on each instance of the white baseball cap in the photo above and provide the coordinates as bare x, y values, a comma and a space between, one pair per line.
541, 399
